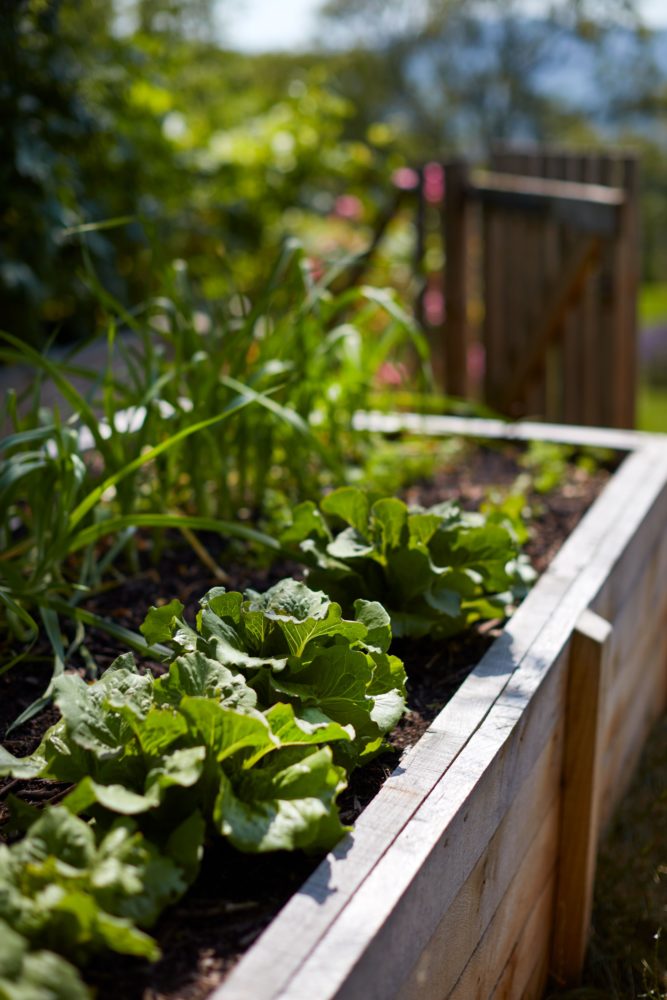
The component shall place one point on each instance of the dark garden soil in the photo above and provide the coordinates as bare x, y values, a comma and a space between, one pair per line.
236, 896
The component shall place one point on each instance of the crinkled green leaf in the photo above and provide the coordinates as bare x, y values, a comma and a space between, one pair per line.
62, 889
223, 603
160, 623
197, 674
87, 719
131, 878
299, 633
291, 599
336, 683
435, 570
161, 728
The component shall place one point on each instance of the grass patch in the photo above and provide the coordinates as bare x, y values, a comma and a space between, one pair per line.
652, 303
652, 409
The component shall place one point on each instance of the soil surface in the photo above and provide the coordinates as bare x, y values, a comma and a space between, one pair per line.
236, 896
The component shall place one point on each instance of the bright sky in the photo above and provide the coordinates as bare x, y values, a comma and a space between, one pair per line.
288, 24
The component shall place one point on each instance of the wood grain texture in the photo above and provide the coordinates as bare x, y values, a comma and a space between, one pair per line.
588, 678
494, 959
513, 849
524, 976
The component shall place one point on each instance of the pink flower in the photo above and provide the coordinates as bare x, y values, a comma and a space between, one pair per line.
348, 206
434, 183
392, 373
405, 178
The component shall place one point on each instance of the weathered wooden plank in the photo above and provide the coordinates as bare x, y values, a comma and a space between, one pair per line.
437, 425
638, 555
493, 327
514, 846
524, 975
591, 208
647, 589
591, 339
629, 276
586, 694
502, 936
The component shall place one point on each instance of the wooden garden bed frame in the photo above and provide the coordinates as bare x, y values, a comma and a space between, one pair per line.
471, 872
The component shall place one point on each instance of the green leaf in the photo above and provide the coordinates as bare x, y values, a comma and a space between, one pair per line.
186, 845
307, 522
310, 727
350, 505
288, 803
377, 622
223, 603
350, 544
88, 722
63, 889
223, 731
35, 975
291, 599
131, 878
389, 518
161, 728
115, 798
199, 675
160, 623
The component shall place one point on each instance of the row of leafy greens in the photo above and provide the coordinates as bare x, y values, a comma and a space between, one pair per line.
266, 704
436, 570
249, 735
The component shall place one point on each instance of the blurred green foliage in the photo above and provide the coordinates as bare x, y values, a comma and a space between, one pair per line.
197, 153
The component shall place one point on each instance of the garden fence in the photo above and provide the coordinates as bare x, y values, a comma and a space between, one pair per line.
556, 235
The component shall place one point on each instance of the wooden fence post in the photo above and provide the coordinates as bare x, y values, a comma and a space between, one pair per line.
455, 290
587, 685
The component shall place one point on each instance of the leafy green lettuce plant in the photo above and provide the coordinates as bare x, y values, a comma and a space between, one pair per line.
292, 644
436, 570
237, 731
132, 747
70, 889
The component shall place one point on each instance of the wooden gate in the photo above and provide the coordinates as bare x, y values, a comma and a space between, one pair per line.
558, 234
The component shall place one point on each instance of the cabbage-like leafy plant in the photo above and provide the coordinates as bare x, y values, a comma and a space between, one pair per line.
293, 645
436, 570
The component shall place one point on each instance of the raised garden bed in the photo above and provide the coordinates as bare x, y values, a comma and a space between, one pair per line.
470, 873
